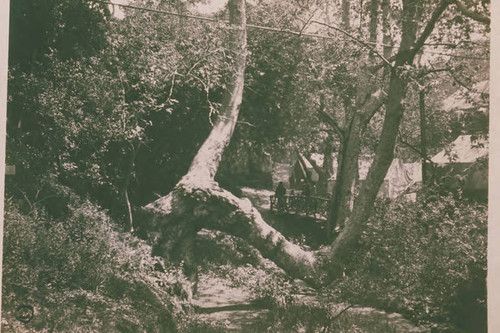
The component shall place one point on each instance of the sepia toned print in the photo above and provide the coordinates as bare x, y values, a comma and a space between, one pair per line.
247, 166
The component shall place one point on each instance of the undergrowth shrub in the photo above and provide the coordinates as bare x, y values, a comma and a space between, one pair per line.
234, 259
320, 318
81, 275
425, 259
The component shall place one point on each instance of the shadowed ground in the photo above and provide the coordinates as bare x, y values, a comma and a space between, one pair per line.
237, 309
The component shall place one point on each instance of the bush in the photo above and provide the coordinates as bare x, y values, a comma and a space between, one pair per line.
425, 259
320, 318
79, 274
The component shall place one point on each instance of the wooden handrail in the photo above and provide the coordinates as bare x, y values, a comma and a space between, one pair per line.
301, 204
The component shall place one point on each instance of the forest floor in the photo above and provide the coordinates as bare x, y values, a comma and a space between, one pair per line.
236, 309
230, 296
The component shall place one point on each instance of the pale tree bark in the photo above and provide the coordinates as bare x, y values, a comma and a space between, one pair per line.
174, 225
206, 162
134, 149
408, 48
198, 202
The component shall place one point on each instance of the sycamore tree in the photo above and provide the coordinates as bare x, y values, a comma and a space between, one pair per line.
167, 73
197, 200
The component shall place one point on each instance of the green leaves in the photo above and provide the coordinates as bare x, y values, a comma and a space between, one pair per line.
417, 257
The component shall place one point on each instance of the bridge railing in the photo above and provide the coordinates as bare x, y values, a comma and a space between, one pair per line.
300, 204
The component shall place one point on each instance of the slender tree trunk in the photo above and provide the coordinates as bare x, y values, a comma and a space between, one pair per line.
386, 28
347, 173
347, 176
383, 158
346, 12
374, 5
126, 183
423, 135
342, 246
327, 168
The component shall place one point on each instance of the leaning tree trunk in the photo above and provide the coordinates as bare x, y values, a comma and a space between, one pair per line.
367, 104
198, 202
347, 174
342, 246
327, 168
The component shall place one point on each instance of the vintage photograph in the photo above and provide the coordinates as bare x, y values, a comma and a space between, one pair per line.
247, 166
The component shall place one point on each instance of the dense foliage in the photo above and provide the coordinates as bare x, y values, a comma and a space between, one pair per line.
105, 112
79, 274
114, 121
426, 259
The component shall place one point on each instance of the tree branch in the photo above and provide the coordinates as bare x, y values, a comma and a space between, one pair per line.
460, 83
429, 27
365, 44
306, 22
415, 149
330, 120
470, 13
421, 40
373, 105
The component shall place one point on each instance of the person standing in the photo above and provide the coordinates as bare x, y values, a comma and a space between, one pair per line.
307, 194
280, 196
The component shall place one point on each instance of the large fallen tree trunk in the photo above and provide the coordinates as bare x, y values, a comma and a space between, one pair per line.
191, 207
198, 202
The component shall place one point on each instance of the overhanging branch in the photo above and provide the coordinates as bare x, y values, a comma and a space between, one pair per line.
470, 13
415, 149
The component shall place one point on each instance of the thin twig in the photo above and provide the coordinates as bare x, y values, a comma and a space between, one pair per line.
362, 42
412, 147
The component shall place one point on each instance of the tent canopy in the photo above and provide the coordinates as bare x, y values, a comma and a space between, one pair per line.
465, 149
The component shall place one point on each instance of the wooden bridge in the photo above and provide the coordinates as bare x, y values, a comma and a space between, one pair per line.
314, 206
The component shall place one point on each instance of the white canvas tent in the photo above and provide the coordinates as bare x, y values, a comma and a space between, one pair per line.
466, 149
459, 157
400, 176
464, 99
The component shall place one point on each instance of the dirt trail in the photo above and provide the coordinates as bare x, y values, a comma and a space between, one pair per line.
235, 309
217, 301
